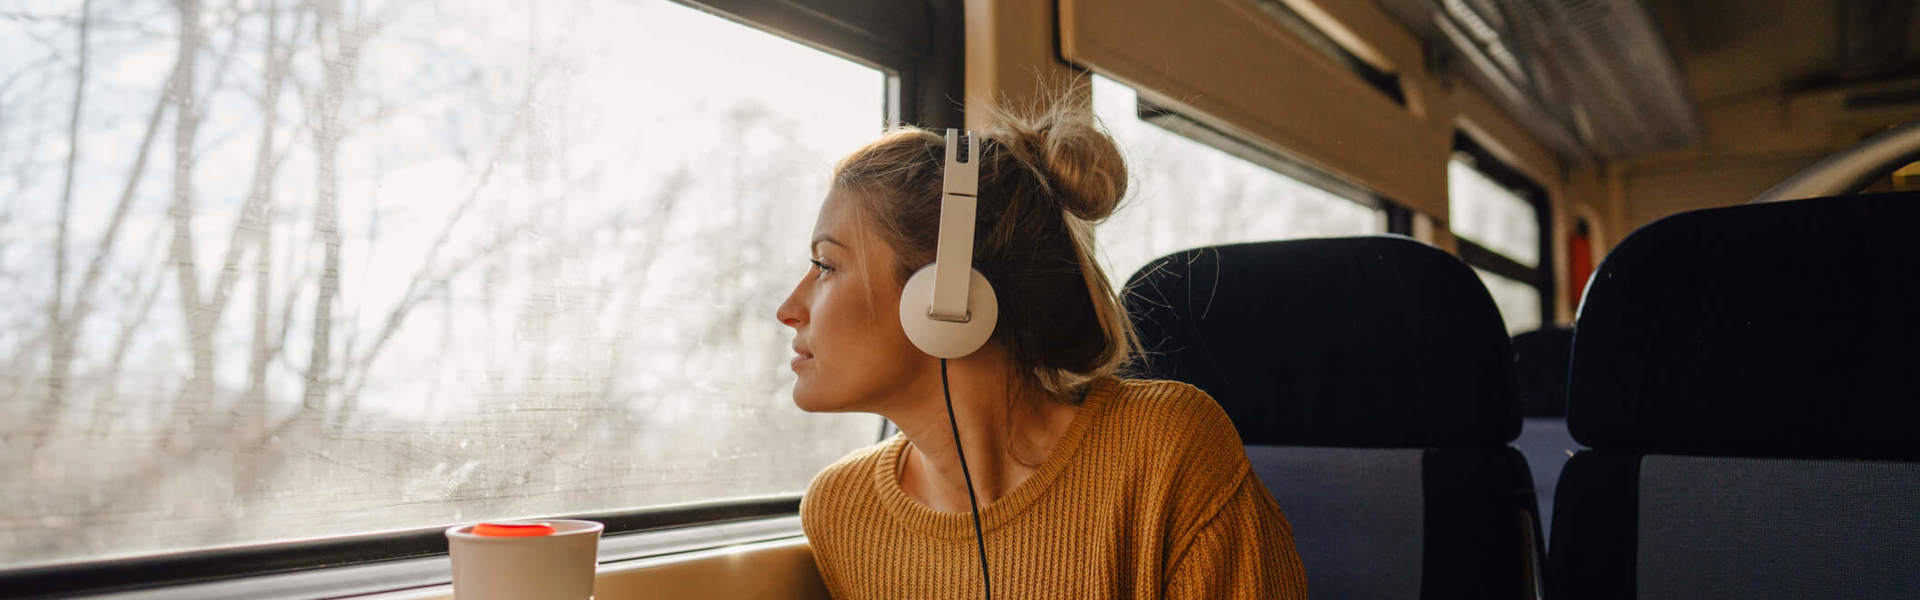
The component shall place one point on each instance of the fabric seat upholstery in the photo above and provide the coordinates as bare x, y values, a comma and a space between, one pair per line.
1742, 375
1371, 379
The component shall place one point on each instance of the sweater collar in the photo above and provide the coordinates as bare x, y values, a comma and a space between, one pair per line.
949, 525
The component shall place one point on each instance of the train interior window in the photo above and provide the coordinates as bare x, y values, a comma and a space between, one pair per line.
1491, 215
1499, 220
1183, 194
311, 272
1519, 301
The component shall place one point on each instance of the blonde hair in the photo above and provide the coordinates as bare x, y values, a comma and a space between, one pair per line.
1045, 181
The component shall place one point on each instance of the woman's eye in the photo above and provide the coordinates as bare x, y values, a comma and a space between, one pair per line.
824, 269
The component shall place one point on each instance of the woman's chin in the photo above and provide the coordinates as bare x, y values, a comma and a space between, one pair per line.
812, 400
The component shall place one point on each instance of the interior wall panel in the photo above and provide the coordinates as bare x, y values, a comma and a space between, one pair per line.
1225, 62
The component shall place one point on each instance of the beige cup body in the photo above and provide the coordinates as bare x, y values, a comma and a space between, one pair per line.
558, 566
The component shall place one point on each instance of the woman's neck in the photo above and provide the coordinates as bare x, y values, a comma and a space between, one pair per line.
1006, 429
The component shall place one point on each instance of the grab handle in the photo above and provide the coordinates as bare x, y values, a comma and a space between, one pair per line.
1852, 169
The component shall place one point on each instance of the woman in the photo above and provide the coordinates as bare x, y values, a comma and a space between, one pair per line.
1089, 486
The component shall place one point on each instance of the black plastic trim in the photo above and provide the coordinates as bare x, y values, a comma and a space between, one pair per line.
195, 566
1399, 218
1497, 263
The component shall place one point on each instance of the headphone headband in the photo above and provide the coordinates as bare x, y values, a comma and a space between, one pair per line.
953, 255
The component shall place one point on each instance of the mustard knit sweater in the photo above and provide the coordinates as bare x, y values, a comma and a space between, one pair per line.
1147, 495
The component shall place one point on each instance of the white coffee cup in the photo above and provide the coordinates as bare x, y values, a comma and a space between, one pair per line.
531, 565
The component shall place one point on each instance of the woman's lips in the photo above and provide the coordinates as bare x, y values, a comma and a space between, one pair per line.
797, 359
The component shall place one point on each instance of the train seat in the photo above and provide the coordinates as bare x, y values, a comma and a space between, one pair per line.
1540, 364
1371, 381
1744, 378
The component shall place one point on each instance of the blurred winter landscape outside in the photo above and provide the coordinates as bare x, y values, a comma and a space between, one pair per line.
329, 267
306, 268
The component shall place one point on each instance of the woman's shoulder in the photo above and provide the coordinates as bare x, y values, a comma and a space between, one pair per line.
1174, 408
1169, 425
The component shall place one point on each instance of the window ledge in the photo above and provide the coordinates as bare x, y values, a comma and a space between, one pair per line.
782, 568
624, 558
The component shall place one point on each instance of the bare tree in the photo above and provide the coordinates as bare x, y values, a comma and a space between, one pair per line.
199, 390
62, 358
66, 330
253, 227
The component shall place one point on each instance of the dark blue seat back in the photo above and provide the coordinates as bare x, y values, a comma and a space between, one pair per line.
1540, 363
1743, 375
1371, 379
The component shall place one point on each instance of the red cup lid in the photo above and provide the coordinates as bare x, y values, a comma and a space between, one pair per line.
512, 529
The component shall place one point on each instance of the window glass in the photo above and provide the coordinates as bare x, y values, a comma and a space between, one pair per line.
1486, 212
1518, 301
401, 264
1186, 194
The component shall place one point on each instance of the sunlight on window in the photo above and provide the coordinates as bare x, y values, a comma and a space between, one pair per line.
1482, 210
1519, 302
1185, 194
414, 264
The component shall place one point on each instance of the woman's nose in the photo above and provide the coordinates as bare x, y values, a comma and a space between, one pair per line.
791, 312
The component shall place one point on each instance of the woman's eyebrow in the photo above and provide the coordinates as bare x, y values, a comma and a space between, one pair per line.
815, 246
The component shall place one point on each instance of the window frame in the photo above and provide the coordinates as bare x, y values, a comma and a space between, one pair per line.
918, 46
1385, 82
1268, 158
120, 575
1541, 277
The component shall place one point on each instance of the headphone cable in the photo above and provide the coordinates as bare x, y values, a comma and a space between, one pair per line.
978, 536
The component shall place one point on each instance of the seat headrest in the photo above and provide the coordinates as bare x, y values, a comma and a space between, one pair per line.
1540, 363
1362, 342
1767, 330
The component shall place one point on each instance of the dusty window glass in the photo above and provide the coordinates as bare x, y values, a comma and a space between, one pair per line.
1185, 194
319, 268
1482, 210
1519, 302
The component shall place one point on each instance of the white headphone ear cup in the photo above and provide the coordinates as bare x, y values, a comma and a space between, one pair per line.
946, 339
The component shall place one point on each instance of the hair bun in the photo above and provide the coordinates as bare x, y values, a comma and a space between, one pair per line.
1078, 159
1086, 166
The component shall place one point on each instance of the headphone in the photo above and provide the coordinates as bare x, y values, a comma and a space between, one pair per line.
947, 308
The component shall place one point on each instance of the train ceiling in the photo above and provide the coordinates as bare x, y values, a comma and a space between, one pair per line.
1613, 79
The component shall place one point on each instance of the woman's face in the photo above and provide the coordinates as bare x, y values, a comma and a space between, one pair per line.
850, 352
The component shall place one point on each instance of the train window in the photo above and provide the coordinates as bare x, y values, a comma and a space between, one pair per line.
1185, 194
1500, 220
1519, 302
1490, 214
335, 272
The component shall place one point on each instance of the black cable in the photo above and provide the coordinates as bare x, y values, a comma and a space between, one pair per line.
978, 536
